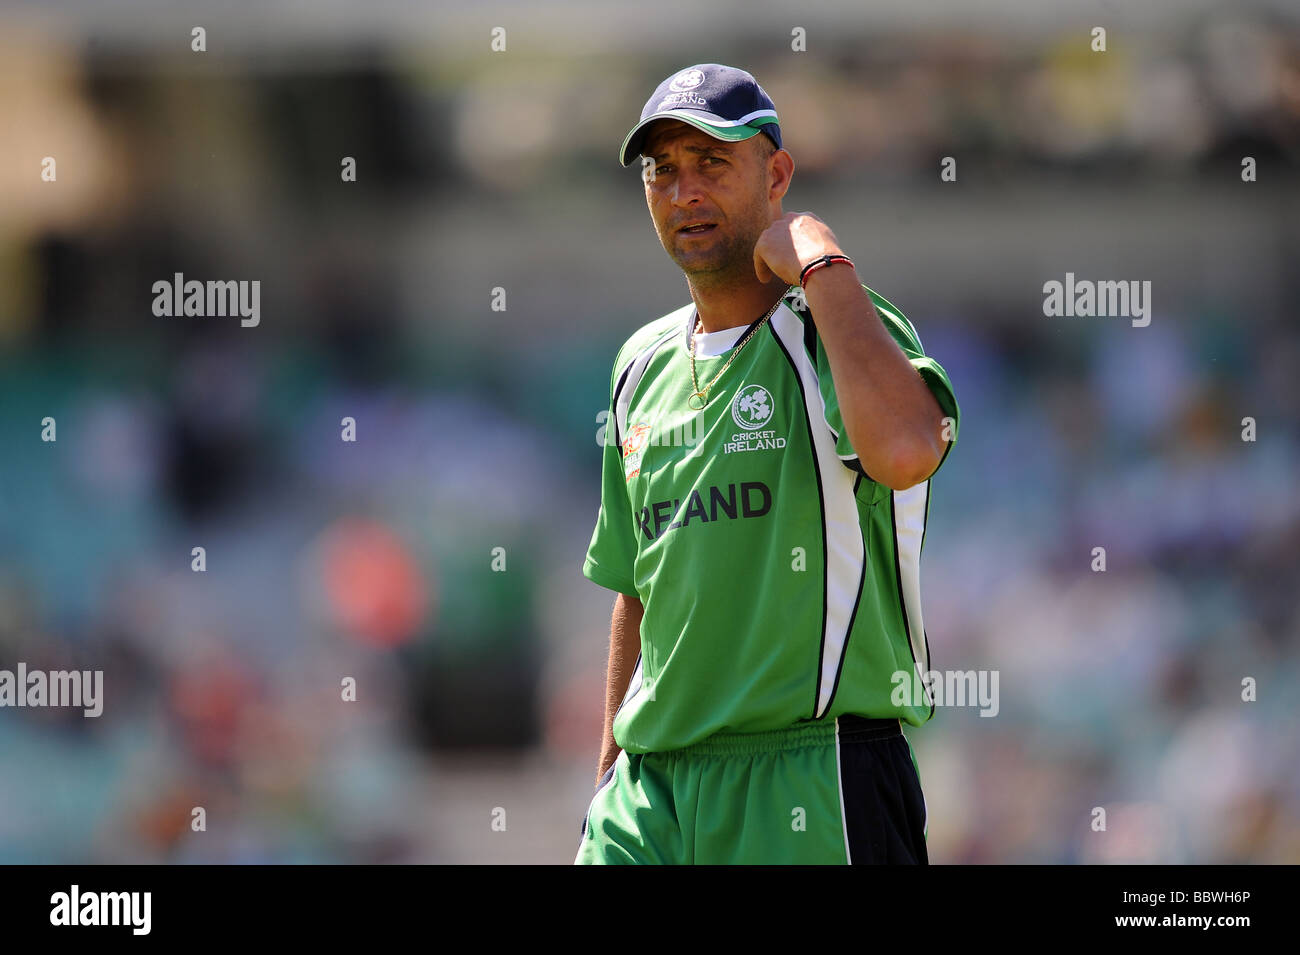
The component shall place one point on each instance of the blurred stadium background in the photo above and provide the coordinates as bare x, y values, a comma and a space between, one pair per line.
480, 690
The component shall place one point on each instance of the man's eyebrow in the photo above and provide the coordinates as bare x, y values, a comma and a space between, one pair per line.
724, 150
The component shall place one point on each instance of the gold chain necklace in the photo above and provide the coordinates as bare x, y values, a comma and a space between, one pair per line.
702, 394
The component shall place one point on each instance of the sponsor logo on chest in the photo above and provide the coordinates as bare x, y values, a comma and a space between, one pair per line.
752, 409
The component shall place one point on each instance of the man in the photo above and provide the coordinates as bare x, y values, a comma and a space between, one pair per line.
765, 488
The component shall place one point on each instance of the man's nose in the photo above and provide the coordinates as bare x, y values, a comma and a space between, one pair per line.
687, 187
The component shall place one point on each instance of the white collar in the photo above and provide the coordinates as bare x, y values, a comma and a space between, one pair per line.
713, 344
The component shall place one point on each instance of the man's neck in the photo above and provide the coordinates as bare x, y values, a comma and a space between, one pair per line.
737, 304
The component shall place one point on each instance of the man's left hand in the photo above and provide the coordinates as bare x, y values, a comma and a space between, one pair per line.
790, 243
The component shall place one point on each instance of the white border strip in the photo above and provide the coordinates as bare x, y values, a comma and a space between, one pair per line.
845, 554
714, 120
909, 529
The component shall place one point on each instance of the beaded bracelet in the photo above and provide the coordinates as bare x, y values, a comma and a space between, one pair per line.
819, 263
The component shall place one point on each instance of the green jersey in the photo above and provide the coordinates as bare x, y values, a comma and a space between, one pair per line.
780, 582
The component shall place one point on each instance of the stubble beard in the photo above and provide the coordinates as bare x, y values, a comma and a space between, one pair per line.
727, 263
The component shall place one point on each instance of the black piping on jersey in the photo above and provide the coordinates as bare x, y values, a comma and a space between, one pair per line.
809, 333
632, 687
946, 449
622, 380
857, 601
821, 504
604, 781
609, 773
925, 523
613, 401
810, 345
902, 603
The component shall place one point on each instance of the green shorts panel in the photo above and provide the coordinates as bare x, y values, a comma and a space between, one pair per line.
735, 798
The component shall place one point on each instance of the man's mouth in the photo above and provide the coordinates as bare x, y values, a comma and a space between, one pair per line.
697, 229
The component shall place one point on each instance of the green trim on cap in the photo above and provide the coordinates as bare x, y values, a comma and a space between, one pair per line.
733, 134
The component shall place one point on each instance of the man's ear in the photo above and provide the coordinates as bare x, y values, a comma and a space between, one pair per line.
781, 164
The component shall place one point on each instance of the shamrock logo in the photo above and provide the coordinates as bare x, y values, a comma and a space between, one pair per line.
752, 407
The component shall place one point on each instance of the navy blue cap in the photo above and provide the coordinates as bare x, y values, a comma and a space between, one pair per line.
723, 101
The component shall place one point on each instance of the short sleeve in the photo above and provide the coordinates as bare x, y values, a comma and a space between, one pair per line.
930, 370
611, 556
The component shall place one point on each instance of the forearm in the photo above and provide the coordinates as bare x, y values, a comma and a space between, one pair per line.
624, 645
892, 418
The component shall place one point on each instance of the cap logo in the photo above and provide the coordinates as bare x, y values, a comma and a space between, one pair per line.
686, 80
676, 100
